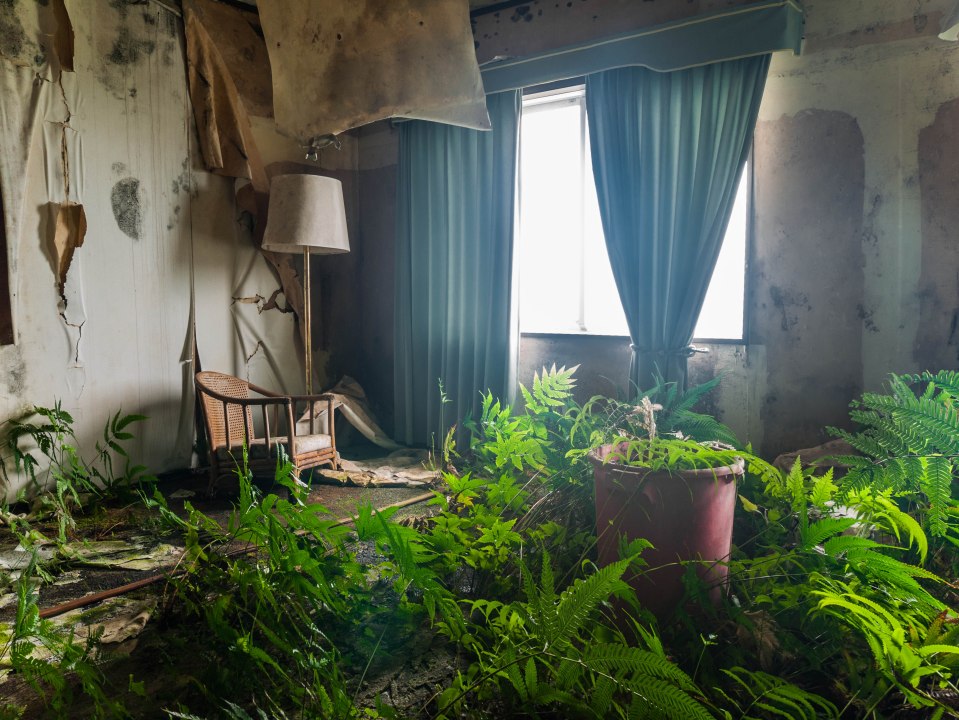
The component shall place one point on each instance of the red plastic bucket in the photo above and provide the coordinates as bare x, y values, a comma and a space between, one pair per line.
685, 514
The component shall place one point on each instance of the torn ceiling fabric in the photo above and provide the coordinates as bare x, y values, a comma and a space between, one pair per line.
338, 66
238, 38
222, 118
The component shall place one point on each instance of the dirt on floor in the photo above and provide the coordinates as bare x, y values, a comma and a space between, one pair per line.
113, 546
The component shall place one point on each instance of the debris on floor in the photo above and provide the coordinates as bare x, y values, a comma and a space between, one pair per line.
402, 468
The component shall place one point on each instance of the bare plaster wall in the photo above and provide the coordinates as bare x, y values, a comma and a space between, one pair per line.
854, 265
841, 135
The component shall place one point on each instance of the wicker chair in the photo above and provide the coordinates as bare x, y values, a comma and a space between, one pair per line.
228, 412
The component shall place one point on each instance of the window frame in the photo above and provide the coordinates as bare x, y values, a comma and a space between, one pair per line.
541, 92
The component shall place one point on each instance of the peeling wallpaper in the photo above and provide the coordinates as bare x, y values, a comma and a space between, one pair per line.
110, 138
164, 245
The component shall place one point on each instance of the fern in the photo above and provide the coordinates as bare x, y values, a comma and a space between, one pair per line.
909, 439
753, 695
547, 651
677, 414
551, 390
813, 535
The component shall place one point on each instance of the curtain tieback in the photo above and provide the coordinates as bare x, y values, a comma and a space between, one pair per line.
685, 351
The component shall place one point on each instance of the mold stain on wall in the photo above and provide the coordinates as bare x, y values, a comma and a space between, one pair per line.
128, 49
126, 203
12, 36
937, 342
131, 38
808, 275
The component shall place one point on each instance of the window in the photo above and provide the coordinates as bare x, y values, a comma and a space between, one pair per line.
565, 281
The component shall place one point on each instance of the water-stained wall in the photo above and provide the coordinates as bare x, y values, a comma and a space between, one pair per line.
854, 265
97, 164
855, 189
162, 258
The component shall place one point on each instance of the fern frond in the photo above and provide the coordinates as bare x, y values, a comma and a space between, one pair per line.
775, 697
936, 484
579, 600
621, 660
669, 701
817, 532
843, 544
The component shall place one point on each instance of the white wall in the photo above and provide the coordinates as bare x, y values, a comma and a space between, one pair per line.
124, 338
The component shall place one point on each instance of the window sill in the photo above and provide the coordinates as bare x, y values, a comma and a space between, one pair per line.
625, 338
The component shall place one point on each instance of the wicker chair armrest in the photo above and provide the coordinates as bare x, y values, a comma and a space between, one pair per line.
311, 398
264, 392
273, 400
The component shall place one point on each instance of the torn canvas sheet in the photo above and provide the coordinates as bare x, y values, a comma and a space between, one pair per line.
339, 65
349, 398
404, 468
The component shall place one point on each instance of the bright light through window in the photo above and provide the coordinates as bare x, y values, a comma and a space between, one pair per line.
565, 280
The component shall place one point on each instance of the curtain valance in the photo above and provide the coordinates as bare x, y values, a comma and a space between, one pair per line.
744, 31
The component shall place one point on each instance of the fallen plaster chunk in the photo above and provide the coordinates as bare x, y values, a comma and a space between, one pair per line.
116, 620
120, 619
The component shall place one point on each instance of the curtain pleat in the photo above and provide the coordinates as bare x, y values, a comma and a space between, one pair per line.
668, 150
455, 207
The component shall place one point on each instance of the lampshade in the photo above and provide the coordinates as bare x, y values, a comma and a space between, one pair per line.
306, 213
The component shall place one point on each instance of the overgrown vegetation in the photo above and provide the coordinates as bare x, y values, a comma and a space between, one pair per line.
840, 603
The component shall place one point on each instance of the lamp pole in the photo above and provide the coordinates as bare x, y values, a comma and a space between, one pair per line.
307, 325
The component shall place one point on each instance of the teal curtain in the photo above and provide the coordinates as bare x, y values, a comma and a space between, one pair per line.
454, 235
668, 150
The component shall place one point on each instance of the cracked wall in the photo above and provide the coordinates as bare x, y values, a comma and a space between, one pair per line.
102, 314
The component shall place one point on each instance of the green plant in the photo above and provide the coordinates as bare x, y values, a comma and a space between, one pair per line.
829, 591
548, 651
264, 609
52, 660
909, 440
835, 607
69, 476
754, 694
675, 414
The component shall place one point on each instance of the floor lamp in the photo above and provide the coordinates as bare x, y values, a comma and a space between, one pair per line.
306, 215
